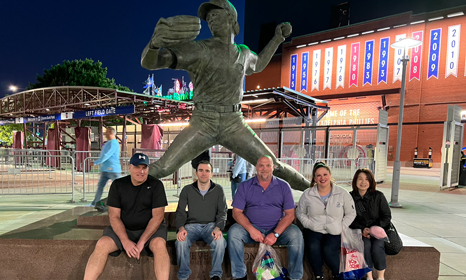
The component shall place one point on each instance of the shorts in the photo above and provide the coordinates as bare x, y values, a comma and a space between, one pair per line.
134, 236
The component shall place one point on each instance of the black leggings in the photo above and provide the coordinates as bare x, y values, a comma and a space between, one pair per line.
322, 248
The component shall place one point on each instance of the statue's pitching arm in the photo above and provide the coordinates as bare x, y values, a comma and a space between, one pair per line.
282, 31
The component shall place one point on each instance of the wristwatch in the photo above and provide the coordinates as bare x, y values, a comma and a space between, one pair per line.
276, 234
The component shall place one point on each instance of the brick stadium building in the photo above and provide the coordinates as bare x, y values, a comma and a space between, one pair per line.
356, 70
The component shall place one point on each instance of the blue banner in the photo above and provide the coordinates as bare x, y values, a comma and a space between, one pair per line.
368, 62
110, 111
434, 52
383, 59
9, 121
294, 63
124, 110
304, 67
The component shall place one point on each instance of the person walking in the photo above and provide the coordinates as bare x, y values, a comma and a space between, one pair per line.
109, 162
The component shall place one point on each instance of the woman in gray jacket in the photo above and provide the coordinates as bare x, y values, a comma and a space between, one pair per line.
323, 210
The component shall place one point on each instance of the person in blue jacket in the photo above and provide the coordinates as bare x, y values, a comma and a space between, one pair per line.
109, 162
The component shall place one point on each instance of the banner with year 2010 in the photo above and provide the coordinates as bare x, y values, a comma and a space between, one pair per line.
453, 50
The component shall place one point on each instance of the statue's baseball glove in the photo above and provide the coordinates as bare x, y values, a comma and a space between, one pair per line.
175, 30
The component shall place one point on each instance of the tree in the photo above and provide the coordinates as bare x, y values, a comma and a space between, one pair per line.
6, 133
77, 73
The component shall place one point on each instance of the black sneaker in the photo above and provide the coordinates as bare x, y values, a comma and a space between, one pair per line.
215, 278
244, 278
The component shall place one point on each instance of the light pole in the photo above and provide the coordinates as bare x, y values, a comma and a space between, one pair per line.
404, 44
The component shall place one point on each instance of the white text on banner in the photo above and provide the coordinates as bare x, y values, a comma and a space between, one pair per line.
453, 50
315, 69
434, 52
328, 68
368, 59
416, 55
294, 65
304, 67
354, 64
398, 64
383, 59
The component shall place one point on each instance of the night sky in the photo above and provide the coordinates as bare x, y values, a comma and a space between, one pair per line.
38, 34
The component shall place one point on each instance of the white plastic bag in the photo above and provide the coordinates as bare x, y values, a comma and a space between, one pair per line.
267, 265
352, 263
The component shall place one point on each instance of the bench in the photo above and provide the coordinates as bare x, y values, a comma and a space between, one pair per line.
66, 259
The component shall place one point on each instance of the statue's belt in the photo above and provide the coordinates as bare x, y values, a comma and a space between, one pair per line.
218, 108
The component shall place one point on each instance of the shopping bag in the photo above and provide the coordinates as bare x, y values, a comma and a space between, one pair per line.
352, 263
267, 265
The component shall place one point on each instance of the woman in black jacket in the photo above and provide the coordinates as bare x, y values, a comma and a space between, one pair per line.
371, 210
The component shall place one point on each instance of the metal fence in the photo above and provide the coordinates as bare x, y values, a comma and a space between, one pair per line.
56, 172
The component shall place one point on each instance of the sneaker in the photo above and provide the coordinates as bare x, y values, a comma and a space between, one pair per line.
215, 278
243, 278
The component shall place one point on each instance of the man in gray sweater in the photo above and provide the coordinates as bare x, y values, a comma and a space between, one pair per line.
201, 215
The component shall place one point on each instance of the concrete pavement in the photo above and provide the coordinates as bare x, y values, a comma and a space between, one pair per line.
431, 215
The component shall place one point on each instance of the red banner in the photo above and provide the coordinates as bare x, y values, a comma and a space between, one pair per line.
354, 64
416, 55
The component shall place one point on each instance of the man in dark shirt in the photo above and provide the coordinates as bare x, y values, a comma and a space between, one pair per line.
136, 210
201, 215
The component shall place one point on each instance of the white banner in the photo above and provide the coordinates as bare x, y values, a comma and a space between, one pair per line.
315, 69
341, 65
453, 50
397, 63
328, 68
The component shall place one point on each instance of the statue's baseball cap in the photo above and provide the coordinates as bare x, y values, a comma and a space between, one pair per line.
219, 4
138, 159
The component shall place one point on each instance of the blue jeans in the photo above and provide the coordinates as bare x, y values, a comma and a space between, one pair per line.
200, 232
104, 177
292, 237
374, 253
234, 185
322, 248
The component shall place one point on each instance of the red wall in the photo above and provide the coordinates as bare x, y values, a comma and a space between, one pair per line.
426, 99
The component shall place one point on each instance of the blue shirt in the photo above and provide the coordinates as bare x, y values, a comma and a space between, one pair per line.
239, 168
110, 157
264, 208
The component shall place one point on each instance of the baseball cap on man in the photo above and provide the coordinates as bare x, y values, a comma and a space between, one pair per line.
139, 158
219, 4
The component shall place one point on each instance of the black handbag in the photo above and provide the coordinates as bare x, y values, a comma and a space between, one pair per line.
395, 244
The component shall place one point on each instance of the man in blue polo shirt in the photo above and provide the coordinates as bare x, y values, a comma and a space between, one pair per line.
264, 210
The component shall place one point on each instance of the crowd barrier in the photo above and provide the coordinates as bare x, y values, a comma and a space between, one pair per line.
59, 172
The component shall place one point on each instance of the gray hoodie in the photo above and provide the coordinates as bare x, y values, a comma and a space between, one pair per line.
330, 219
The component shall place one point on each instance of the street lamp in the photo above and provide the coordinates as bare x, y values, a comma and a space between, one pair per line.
405, 44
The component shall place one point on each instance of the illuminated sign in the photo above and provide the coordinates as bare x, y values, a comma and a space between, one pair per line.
351, 114
102, 112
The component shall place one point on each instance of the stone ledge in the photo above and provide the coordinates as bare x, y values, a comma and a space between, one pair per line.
66, 259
